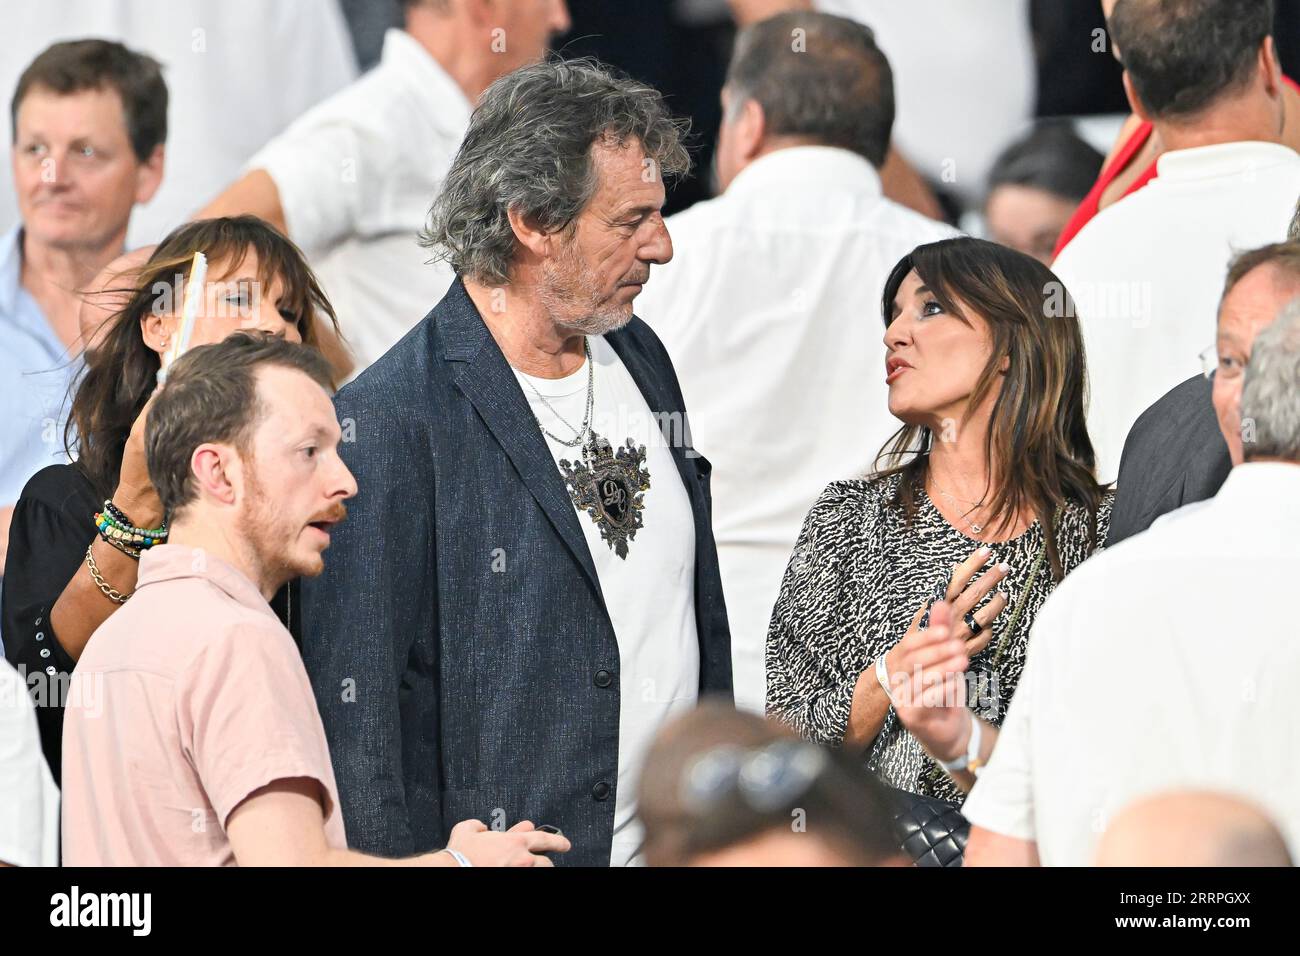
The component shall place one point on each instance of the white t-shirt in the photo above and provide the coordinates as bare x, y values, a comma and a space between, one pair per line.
1146, 274
237, 74
770, 310
356, 177
29, 800
1167, 662
650, 593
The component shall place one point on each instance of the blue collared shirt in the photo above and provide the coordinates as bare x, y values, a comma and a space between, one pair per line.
35, 375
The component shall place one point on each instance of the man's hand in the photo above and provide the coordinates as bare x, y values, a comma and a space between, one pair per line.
927, 676
521, 845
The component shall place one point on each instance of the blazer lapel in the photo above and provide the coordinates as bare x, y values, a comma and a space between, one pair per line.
672, 421
485, 378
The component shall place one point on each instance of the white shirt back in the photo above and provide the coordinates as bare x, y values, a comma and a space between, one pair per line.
958, 104
1147, 274
650, 593
770, 310
236, 73
356, 177
29, 800
1168, 662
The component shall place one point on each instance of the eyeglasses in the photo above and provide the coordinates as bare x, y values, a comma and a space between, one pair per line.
767, 779
1221, 366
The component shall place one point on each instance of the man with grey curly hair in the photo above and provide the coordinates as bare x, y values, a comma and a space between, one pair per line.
508, 213
530, 587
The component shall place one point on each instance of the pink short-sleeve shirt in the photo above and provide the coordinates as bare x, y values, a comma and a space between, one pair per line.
189, 698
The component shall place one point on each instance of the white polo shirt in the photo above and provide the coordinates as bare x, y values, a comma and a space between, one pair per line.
1147, 274
1169, 661
356, 176
236, 73
770, 310
957, 106
29, 800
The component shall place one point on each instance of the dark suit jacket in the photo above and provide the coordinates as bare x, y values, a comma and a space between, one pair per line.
456, 635
1174, 455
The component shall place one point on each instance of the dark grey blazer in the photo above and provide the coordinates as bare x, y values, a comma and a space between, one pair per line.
458, 642
1174, 455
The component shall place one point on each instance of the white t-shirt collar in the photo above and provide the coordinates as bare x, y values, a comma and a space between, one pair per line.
406, 57
1221, 159
826, 166
1255, 481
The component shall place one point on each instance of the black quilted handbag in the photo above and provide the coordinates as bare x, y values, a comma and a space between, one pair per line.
932, 833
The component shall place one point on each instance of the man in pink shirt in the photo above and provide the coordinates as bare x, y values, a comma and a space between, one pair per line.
192, 736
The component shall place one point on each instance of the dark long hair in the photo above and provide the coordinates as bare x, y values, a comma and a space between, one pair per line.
122, 370
1037, 442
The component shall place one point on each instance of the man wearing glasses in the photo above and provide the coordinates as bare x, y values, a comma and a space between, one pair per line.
1181, 449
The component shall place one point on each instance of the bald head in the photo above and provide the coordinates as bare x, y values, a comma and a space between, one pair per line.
1192, 828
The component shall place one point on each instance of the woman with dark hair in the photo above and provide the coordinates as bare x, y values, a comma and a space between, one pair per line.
986, 497
73, 552
1035, 185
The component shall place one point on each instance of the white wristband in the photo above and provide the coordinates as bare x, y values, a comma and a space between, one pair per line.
971, 758
456, 855
882, 675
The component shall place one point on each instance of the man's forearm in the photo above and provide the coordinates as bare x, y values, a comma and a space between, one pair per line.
254, 194
986, 848
335, 857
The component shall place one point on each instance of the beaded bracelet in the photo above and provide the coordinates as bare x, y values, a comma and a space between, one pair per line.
116, 531
120, 519
122, 546
112, 533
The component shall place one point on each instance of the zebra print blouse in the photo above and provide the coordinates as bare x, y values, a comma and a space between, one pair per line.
857, 576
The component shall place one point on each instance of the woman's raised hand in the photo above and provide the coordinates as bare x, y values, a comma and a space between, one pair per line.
135, 493
928, 683
965, 594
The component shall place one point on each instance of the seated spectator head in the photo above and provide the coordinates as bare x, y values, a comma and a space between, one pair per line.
983, 338
89, 121
804, 78
556, 193
243, 438
1186, 61
1260, 282
1192, 828
1270, 395
723, 787
503, 36
257, 280
1035, 185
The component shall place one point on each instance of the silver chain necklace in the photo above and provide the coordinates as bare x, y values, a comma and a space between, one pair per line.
958, 502
591, 402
